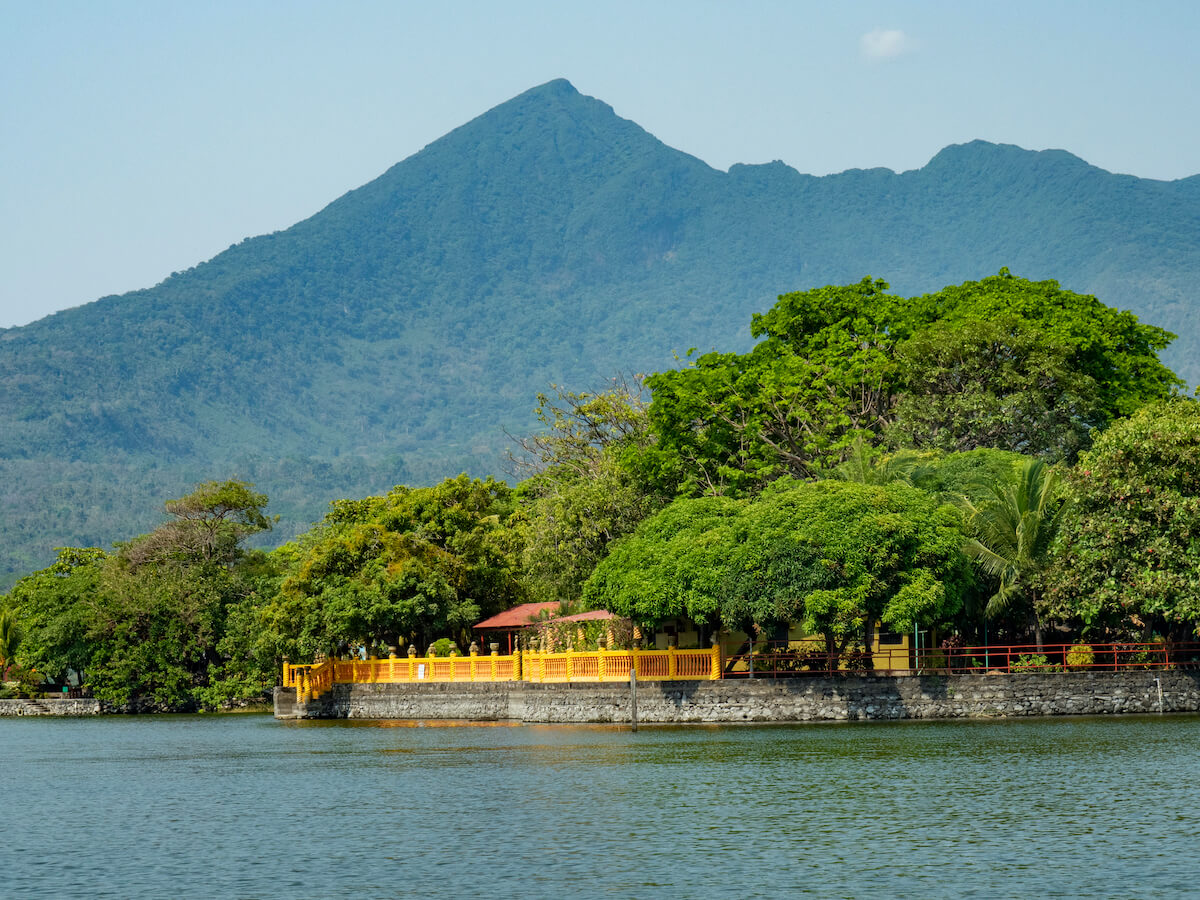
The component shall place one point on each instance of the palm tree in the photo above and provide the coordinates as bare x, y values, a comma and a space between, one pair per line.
1012, 535
866, 465
10, 639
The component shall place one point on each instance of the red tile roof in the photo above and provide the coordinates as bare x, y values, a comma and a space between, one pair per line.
518, 616
593, 616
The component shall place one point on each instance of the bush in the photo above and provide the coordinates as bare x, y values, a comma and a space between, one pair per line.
1080, 656
23, 683
1032, 662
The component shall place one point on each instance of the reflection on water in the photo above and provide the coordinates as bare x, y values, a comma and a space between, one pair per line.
244, 806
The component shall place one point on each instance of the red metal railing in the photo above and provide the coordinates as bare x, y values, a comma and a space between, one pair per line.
1079, 656
771, 660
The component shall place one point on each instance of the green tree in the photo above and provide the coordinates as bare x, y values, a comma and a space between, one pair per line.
592, 478
836, 557
1012, 535
837, 365
1109, 346
57, 608
822, 376
164, 598
10, 639
1003, 385
1129, 556
209, 525
409, 566
147, 621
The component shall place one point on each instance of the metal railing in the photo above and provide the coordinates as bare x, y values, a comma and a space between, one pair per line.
1074, 657
786, 660
766, 661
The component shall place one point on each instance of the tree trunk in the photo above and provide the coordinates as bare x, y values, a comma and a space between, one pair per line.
868, 641
832, 652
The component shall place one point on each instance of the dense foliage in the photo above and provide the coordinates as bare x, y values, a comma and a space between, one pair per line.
874, 462
393, 335
410, 566
837, 557
1130, 556
145, 622
590, 481
1004, 363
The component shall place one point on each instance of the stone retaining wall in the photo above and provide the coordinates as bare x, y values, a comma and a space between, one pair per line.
59, 707
763, 700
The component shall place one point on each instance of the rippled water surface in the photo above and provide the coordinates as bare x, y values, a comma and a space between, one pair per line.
244, 806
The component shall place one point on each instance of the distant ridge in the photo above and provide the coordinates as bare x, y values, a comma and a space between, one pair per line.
395, 334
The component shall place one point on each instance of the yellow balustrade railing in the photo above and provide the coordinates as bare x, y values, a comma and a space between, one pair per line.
311, 681
615, 665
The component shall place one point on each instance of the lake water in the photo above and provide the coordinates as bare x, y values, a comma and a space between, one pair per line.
245, 806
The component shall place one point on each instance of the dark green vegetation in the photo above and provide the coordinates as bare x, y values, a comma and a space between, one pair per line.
392, 336
152, 620
1001, 455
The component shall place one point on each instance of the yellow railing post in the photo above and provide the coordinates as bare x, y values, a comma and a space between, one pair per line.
541, 666
715, 674
516, 673
570, 663
672, 665
600, 664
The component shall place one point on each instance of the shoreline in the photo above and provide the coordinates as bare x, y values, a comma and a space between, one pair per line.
90, 707
804, 699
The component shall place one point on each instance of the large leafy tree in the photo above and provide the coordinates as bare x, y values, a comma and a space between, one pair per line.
146, 622
837, 557
592, 477
821, 376
1003, 362
983, 383
412, 565
56, 608
1129, 556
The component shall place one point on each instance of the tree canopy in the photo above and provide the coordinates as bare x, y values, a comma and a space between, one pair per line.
838, 557
406, 566
1005, 363
1129, 559
146, 621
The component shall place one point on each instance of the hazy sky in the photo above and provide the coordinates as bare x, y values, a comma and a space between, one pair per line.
138, 138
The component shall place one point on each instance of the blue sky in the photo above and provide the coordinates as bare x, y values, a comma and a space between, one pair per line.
140, 138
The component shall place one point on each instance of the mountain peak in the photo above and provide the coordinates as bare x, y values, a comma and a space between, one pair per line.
555, 87
974, 154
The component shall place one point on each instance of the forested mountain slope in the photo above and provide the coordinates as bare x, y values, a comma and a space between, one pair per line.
395, 334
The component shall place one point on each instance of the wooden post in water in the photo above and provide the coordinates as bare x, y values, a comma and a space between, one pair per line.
633, 697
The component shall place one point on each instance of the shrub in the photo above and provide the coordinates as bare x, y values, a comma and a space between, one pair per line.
1032, 662
1080, 656
23, 682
